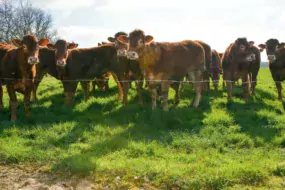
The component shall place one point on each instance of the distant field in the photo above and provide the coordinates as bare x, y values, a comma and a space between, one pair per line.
219, 145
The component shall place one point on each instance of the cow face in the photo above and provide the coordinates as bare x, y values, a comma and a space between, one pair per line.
251, 43
242, 45
121, 47
102, 82
136, 43
61, 48
30, 46
271, 46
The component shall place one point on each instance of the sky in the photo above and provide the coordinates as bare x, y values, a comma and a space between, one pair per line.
216, 22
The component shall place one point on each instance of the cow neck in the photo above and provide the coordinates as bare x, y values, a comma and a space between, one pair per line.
150, 56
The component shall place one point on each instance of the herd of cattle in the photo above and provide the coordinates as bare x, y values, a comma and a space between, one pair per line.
133, 57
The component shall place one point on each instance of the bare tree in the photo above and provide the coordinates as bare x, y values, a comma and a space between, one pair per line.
17, 20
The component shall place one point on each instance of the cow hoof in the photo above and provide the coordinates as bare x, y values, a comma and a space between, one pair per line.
13, 118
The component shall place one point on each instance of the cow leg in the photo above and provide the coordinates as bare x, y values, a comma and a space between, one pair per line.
36, 84
175, 86
107, 85
69, 91
253, 82
86, 89
227, 78
1, 97
120, 89
153, 91
13, 101
93, 87
139, 85
245, 85
206, 82
196, 77
27, 96
126, 87
164, 94
279, 90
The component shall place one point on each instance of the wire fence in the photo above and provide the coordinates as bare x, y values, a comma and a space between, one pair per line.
145, 80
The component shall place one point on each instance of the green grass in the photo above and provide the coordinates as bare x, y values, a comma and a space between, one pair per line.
218, 145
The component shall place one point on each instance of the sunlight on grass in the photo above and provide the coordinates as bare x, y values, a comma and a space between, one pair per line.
218, 145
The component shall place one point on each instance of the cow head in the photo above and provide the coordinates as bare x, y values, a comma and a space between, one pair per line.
61, 48
102, 82
271, 46
242, 47
121, 47
251, 43
30, 46
136, 41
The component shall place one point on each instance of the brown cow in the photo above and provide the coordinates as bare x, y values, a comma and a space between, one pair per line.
254, 66
215, 68
4, 48
52, 59
163, 60
208, 57
85, 64
235, 63
274, 51
129, 71
18, 70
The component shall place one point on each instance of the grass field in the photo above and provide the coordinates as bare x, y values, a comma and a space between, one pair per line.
218, 145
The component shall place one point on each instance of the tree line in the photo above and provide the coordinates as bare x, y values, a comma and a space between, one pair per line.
18, 18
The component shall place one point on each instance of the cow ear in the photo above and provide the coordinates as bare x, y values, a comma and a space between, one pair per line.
50, 46
123, 39
262, 47
17, 42
148, 39
111, 39
72, 46
43, 42
99, 44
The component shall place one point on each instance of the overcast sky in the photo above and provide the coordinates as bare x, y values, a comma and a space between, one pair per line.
217, 22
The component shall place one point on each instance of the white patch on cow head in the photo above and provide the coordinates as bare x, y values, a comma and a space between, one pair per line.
132, 55
242, 48
61, 63
33, 60
271, 58
250, 57
121, 53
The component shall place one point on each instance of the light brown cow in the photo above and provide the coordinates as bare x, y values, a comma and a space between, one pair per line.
161, 61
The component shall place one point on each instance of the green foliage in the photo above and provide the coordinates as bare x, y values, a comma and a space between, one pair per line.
218, 145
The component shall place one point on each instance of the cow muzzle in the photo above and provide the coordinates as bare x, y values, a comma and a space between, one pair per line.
251, 57
122, 53
32, 60
132, 55
242, 48
61, 63
271, 58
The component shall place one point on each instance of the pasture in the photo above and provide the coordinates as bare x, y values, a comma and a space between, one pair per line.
218, 145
